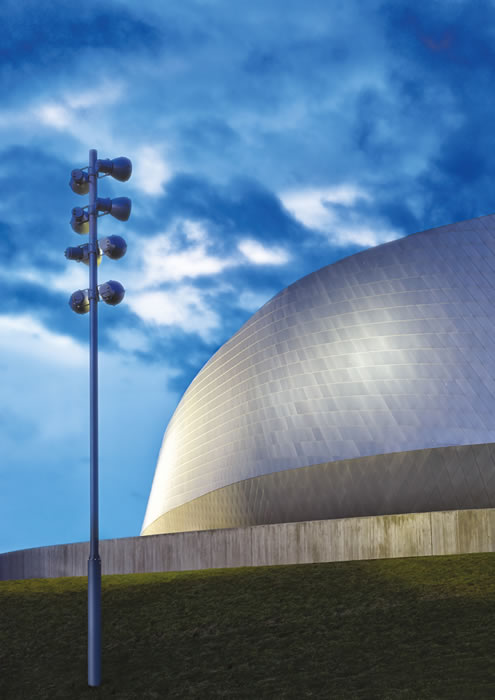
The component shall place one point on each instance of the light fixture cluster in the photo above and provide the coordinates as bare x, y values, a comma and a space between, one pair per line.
112, 293
114, 247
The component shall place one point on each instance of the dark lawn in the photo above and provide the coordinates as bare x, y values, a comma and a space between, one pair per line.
398, 628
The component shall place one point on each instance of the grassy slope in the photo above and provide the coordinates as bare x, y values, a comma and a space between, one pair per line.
399, 628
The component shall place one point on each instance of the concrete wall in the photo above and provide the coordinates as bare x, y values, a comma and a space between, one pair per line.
376, 537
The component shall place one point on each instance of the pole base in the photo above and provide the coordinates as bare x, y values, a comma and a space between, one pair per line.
94, 621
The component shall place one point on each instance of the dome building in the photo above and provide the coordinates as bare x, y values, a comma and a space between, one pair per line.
365, 388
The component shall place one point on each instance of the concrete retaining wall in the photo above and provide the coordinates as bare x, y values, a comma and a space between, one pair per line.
376, 537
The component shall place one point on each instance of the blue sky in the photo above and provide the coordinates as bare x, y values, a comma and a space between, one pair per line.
268, 139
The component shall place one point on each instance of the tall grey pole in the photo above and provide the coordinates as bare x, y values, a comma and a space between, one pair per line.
94, 561
112, 292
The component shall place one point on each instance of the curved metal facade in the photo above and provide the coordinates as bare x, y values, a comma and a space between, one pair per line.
389, 351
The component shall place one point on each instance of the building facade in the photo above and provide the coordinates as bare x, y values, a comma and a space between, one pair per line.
365, 388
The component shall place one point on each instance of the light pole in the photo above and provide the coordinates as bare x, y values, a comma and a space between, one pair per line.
84, 220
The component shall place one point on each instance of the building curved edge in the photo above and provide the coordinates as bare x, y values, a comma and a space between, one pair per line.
317, 541
433, 479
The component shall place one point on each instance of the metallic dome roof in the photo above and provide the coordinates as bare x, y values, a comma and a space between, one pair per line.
341, 390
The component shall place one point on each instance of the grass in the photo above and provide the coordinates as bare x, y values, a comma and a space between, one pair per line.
397, 628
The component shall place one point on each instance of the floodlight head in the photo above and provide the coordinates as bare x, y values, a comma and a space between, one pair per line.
79, 182
75, 253
119, 168
80, 253
113, 246
111, 292
120, 208
79, 301
80, 220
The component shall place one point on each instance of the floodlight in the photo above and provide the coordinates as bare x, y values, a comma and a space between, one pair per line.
113, 247
76, 253
111, 292
80, 220
80, 253
120, 207
79, 301
119, 168
79, 182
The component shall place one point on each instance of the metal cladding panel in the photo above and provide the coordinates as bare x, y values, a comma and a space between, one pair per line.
401, 482
390, 350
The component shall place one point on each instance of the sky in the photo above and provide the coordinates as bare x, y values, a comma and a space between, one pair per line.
268, 139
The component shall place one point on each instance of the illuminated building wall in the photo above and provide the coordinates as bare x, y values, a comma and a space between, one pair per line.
365, 388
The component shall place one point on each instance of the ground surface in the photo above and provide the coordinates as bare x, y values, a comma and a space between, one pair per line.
403, 628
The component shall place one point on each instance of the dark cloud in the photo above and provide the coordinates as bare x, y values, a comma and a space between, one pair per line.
36, 197
440, 35
49, 307
7, 242
243, 207
210, 134
48, 34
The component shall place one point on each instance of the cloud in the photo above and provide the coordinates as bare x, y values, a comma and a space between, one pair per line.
259, 254
25, 336
55, 115
44, 379
57, 36
108, 92
183, 307
150, 170
75, 276
183, 252
44, 430
312, 206
129, 339
180, 283
164, 265
178, 253
71, 108
363, 236
335, 212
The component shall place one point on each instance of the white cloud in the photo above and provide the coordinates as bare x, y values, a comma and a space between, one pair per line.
64, 114
107, 93
163, 265
26, 336
162, 262
183, 307
56, 115
129, 339
194, 230
363, 236
76, 276
257, 253
312, 206
44, 380
150, 170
